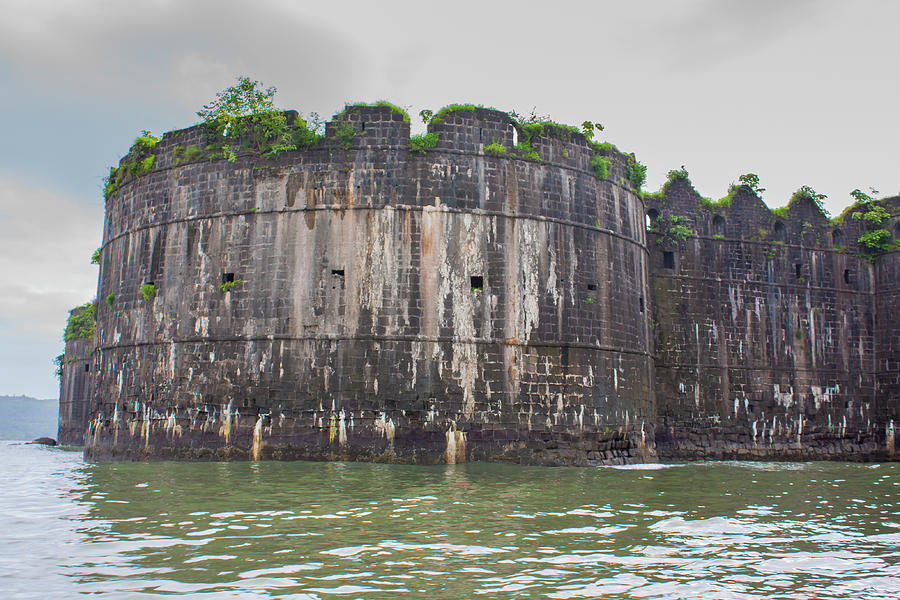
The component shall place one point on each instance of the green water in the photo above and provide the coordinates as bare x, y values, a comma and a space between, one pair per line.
339, 530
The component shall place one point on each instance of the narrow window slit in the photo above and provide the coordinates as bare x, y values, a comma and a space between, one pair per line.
669, 260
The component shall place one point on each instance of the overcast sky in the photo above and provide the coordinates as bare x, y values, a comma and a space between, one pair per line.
801, 92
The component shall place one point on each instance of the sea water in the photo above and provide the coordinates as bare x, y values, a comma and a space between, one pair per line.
341, 530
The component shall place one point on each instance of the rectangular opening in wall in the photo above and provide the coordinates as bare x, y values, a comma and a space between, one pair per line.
87, 368
668, 260
337, 279
797, 267
592, 287
476, 283
227, 277
848, 275
641, 303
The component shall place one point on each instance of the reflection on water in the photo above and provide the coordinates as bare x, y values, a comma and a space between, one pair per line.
338, 530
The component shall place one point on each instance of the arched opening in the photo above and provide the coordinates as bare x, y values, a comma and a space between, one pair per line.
718, 226
780, 234
650, 219
837, 238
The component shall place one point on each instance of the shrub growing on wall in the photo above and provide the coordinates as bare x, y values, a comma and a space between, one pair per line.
244, 116
875, 239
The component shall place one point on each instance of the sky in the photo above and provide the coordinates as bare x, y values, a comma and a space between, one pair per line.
801, 92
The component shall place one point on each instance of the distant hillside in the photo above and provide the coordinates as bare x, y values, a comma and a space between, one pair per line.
24, 418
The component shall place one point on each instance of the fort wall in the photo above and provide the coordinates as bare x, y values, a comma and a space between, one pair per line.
375, 303
75, 392
361, 301
770, 342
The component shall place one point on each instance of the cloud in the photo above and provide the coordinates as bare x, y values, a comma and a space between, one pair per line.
46, 241
176, 52
705, 32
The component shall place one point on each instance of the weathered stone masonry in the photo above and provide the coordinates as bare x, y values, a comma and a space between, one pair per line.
74, 392
770, 343
450, 305
425, 307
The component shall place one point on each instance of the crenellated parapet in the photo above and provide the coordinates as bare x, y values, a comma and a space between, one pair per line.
742, 215
774, 336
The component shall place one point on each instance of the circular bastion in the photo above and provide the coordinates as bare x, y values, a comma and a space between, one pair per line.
359, 300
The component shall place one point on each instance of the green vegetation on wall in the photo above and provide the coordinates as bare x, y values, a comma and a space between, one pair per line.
495, 149
244, 117
782, 212
635, 172
672, 229
724, 202
381, 103
229, 285
875, 239
189, 154
344, 131
676, 174
148, 291
139, 160
438, 117
524, 150
807, 193
80, 324
751, 180
600, 165
588, 128
422, 142
58, 363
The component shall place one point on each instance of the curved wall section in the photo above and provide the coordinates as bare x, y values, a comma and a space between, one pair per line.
377, 304
74, 392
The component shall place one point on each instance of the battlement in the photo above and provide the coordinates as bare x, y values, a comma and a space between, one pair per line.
469, 130
742, 215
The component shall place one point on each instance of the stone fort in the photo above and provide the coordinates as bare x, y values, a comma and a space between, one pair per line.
364, 301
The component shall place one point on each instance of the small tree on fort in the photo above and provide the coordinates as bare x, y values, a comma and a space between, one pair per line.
245, 114
751, 180
875, 237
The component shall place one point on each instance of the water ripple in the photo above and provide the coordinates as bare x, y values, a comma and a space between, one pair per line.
312, 531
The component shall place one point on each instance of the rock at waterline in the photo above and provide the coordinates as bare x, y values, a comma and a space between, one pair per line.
44, 441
